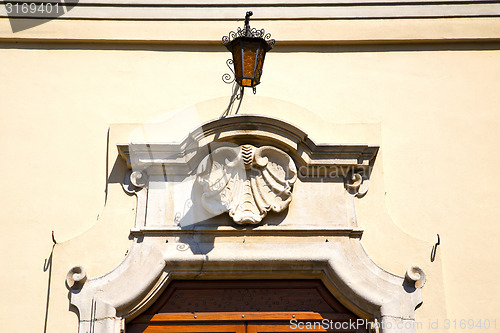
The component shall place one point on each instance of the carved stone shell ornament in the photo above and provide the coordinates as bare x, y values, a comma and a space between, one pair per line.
247, 182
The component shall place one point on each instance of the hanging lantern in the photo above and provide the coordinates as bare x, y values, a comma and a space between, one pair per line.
249, 47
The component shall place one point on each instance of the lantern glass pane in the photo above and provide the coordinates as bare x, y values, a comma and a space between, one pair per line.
237, 60
250, 48
260, 61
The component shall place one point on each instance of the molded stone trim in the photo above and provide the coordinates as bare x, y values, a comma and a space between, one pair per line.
152, 263
272, 10
312, 160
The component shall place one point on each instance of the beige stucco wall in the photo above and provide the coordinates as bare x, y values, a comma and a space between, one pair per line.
432, 107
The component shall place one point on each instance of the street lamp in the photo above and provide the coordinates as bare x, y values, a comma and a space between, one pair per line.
248, 47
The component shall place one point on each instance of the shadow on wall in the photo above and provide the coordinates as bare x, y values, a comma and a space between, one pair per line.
434, 248
23, 16
203, 244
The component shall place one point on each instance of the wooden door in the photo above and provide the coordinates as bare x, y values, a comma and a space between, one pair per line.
186, 327
256, 306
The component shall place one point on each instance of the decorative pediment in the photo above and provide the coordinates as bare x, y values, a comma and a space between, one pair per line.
246, 166
247, 182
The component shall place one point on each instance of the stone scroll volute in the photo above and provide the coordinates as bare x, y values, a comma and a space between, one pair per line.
247, 182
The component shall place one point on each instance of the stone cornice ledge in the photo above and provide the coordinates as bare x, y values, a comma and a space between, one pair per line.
265, 230
126, 33
311, 158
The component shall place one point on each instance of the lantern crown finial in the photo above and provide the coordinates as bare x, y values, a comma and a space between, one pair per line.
247, 22
248, 32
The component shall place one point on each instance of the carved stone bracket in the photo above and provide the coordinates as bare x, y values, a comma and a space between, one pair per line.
76, 277
247, 182
416, 275
136, 182
357, 184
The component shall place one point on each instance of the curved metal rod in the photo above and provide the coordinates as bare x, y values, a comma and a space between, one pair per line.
227, 77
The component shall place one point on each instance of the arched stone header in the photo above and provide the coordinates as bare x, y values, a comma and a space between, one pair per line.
315, 237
